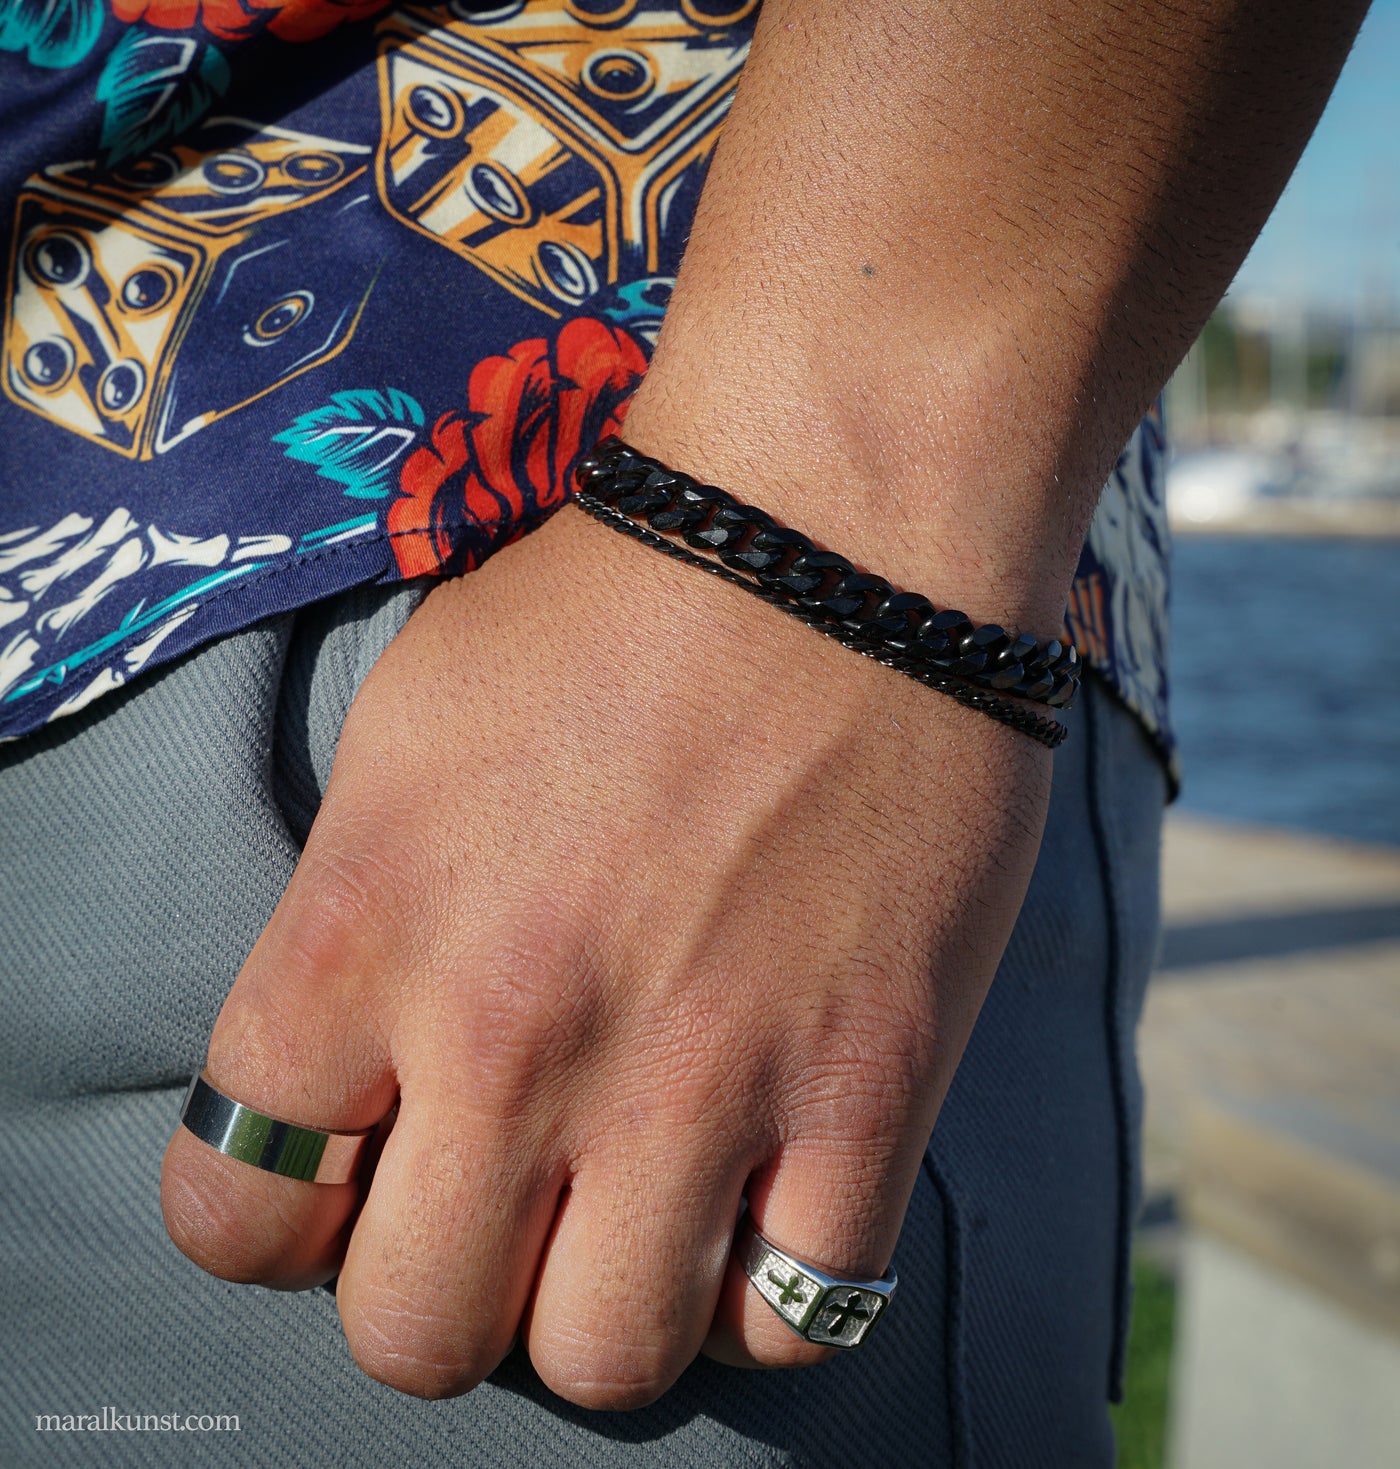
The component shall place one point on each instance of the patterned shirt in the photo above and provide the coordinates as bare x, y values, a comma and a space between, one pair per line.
308, 293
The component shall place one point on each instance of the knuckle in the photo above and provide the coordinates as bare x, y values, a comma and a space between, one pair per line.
859, 1076
770, 1342
303, 985
210, 1223
415, 1352
769, 1349
254, 1045
601, 1373
527, 1013
332, 924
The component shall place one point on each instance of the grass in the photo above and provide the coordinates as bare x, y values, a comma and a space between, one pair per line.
1140, 1420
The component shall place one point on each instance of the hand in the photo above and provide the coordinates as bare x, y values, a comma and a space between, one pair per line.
640, 897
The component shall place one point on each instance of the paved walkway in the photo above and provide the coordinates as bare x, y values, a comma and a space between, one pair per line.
1271, 1055
1280, 976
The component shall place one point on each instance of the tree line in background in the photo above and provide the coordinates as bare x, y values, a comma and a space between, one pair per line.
1253, 357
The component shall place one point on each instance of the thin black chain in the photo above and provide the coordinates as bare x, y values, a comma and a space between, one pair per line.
1048, 732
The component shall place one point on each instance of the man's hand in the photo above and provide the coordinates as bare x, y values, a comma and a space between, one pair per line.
633, 891
641, 896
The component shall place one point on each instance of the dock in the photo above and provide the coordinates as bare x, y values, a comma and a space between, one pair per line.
1280, 974
1270, 1052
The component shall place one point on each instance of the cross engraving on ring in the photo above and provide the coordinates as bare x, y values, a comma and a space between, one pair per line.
790, 1291
842, 1314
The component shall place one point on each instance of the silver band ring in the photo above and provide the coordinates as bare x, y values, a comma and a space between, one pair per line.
819, 1307
269, 1143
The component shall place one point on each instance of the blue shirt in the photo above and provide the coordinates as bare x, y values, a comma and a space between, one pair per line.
310, 294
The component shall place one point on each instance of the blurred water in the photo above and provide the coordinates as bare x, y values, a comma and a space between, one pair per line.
1286, 681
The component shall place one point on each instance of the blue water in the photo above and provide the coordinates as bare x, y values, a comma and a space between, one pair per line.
1286, 682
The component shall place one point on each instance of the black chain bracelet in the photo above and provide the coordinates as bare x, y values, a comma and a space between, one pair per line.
944, 650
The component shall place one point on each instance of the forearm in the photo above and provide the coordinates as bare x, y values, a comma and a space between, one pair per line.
949, 252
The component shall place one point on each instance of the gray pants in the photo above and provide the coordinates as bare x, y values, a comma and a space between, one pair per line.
143, 846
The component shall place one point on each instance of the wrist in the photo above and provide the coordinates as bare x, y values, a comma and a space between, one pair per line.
981, 666
923, 518
667, 643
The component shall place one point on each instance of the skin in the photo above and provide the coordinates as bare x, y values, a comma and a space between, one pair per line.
640, 897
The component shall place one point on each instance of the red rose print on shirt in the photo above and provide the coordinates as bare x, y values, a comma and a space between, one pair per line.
233, 20
490, 474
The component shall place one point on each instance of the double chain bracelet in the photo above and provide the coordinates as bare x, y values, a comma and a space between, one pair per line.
981, 666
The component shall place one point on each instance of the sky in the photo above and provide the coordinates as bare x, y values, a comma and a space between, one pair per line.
1335, 236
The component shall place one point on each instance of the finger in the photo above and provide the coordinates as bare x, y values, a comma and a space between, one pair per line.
439, 1270
631, 1276
292, 1043
836, 1206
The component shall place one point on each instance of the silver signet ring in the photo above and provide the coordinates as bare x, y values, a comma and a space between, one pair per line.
819, 1307
268, 1142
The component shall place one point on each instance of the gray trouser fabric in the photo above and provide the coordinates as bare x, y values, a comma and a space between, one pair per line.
143, 845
